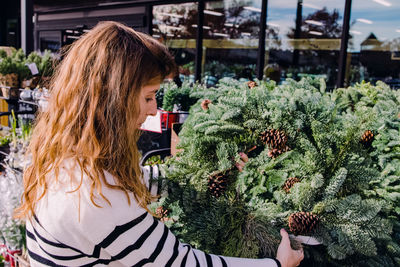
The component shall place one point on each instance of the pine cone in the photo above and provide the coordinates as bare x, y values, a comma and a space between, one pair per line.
367, 139
290, 183
162, 213
274, 152
301, 223
251, 84
274, 139
205, 103
217, 184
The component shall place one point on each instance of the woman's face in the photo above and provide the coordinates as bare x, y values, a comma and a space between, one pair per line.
147, 102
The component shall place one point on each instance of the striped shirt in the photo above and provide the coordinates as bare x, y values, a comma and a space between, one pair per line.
68, 230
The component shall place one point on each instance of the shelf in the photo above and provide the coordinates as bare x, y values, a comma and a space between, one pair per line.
20, 101
28, 102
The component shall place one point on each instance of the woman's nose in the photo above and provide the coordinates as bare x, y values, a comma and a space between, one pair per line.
152, 109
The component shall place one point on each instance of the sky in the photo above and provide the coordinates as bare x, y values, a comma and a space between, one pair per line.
385, 19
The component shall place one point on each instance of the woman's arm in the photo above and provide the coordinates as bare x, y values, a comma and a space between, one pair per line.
71, 231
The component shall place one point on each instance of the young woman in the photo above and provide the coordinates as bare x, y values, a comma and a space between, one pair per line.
85, 203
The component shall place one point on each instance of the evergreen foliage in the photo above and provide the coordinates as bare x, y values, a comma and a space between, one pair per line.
44, 63
19, 59
354, 190
180, 96
17, 63
7, 65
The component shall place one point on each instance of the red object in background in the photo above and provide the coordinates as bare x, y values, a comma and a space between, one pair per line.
167, 118
13, 252
7, 257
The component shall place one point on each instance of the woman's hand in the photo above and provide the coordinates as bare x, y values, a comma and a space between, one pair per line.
243, 159
287, 256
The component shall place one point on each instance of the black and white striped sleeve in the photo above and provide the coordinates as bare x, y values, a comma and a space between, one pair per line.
148, 241
122, 234
152, 177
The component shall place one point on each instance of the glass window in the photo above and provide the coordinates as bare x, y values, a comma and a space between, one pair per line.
374, 45
303, 39
50, 40
71, 35
230, 41
173, 25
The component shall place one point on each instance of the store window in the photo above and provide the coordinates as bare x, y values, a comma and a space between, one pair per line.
173, 25
374, 45
71, 35
50, 40
230, 43
303, 39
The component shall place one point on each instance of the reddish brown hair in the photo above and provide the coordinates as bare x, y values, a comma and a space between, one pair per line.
92, 112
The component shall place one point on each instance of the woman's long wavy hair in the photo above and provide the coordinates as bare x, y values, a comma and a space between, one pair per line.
93, 111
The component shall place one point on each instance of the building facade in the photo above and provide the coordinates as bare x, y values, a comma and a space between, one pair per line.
342, 41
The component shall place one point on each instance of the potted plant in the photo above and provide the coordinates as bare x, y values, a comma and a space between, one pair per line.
46, 69
176, 102
31, 80
28, 79
8, 72
22, 69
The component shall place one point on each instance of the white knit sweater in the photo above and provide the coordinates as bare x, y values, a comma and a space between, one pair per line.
68, 230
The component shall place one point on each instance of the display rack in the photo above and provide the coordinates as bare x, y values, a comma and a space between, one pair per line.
28, 102
13, 258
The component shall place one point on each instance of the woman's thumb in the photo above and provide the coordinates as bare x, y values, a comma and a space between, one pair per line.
285, 236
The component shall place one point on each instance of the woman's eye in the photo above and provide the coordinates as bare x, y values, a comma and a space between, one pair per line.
149, 99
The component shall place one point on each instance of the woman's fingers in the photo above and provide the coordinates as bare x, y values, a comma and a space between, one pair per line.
240, 165
285, 237
286, 255
244, 156
243, 159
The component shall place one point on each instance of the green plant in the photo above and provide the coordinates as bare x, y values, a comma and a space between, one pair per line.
14, 129
3, 53
188, 68
5, 140
26, 130
44, 63
7, 66
179, 96
154, 160
22, 69
34, 57
46, 66
339, 180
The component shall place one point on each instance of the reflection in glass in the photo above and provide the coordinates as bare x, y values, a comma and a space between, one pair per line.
50, 40
374, 42
230, 42
303, 39
173, 25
